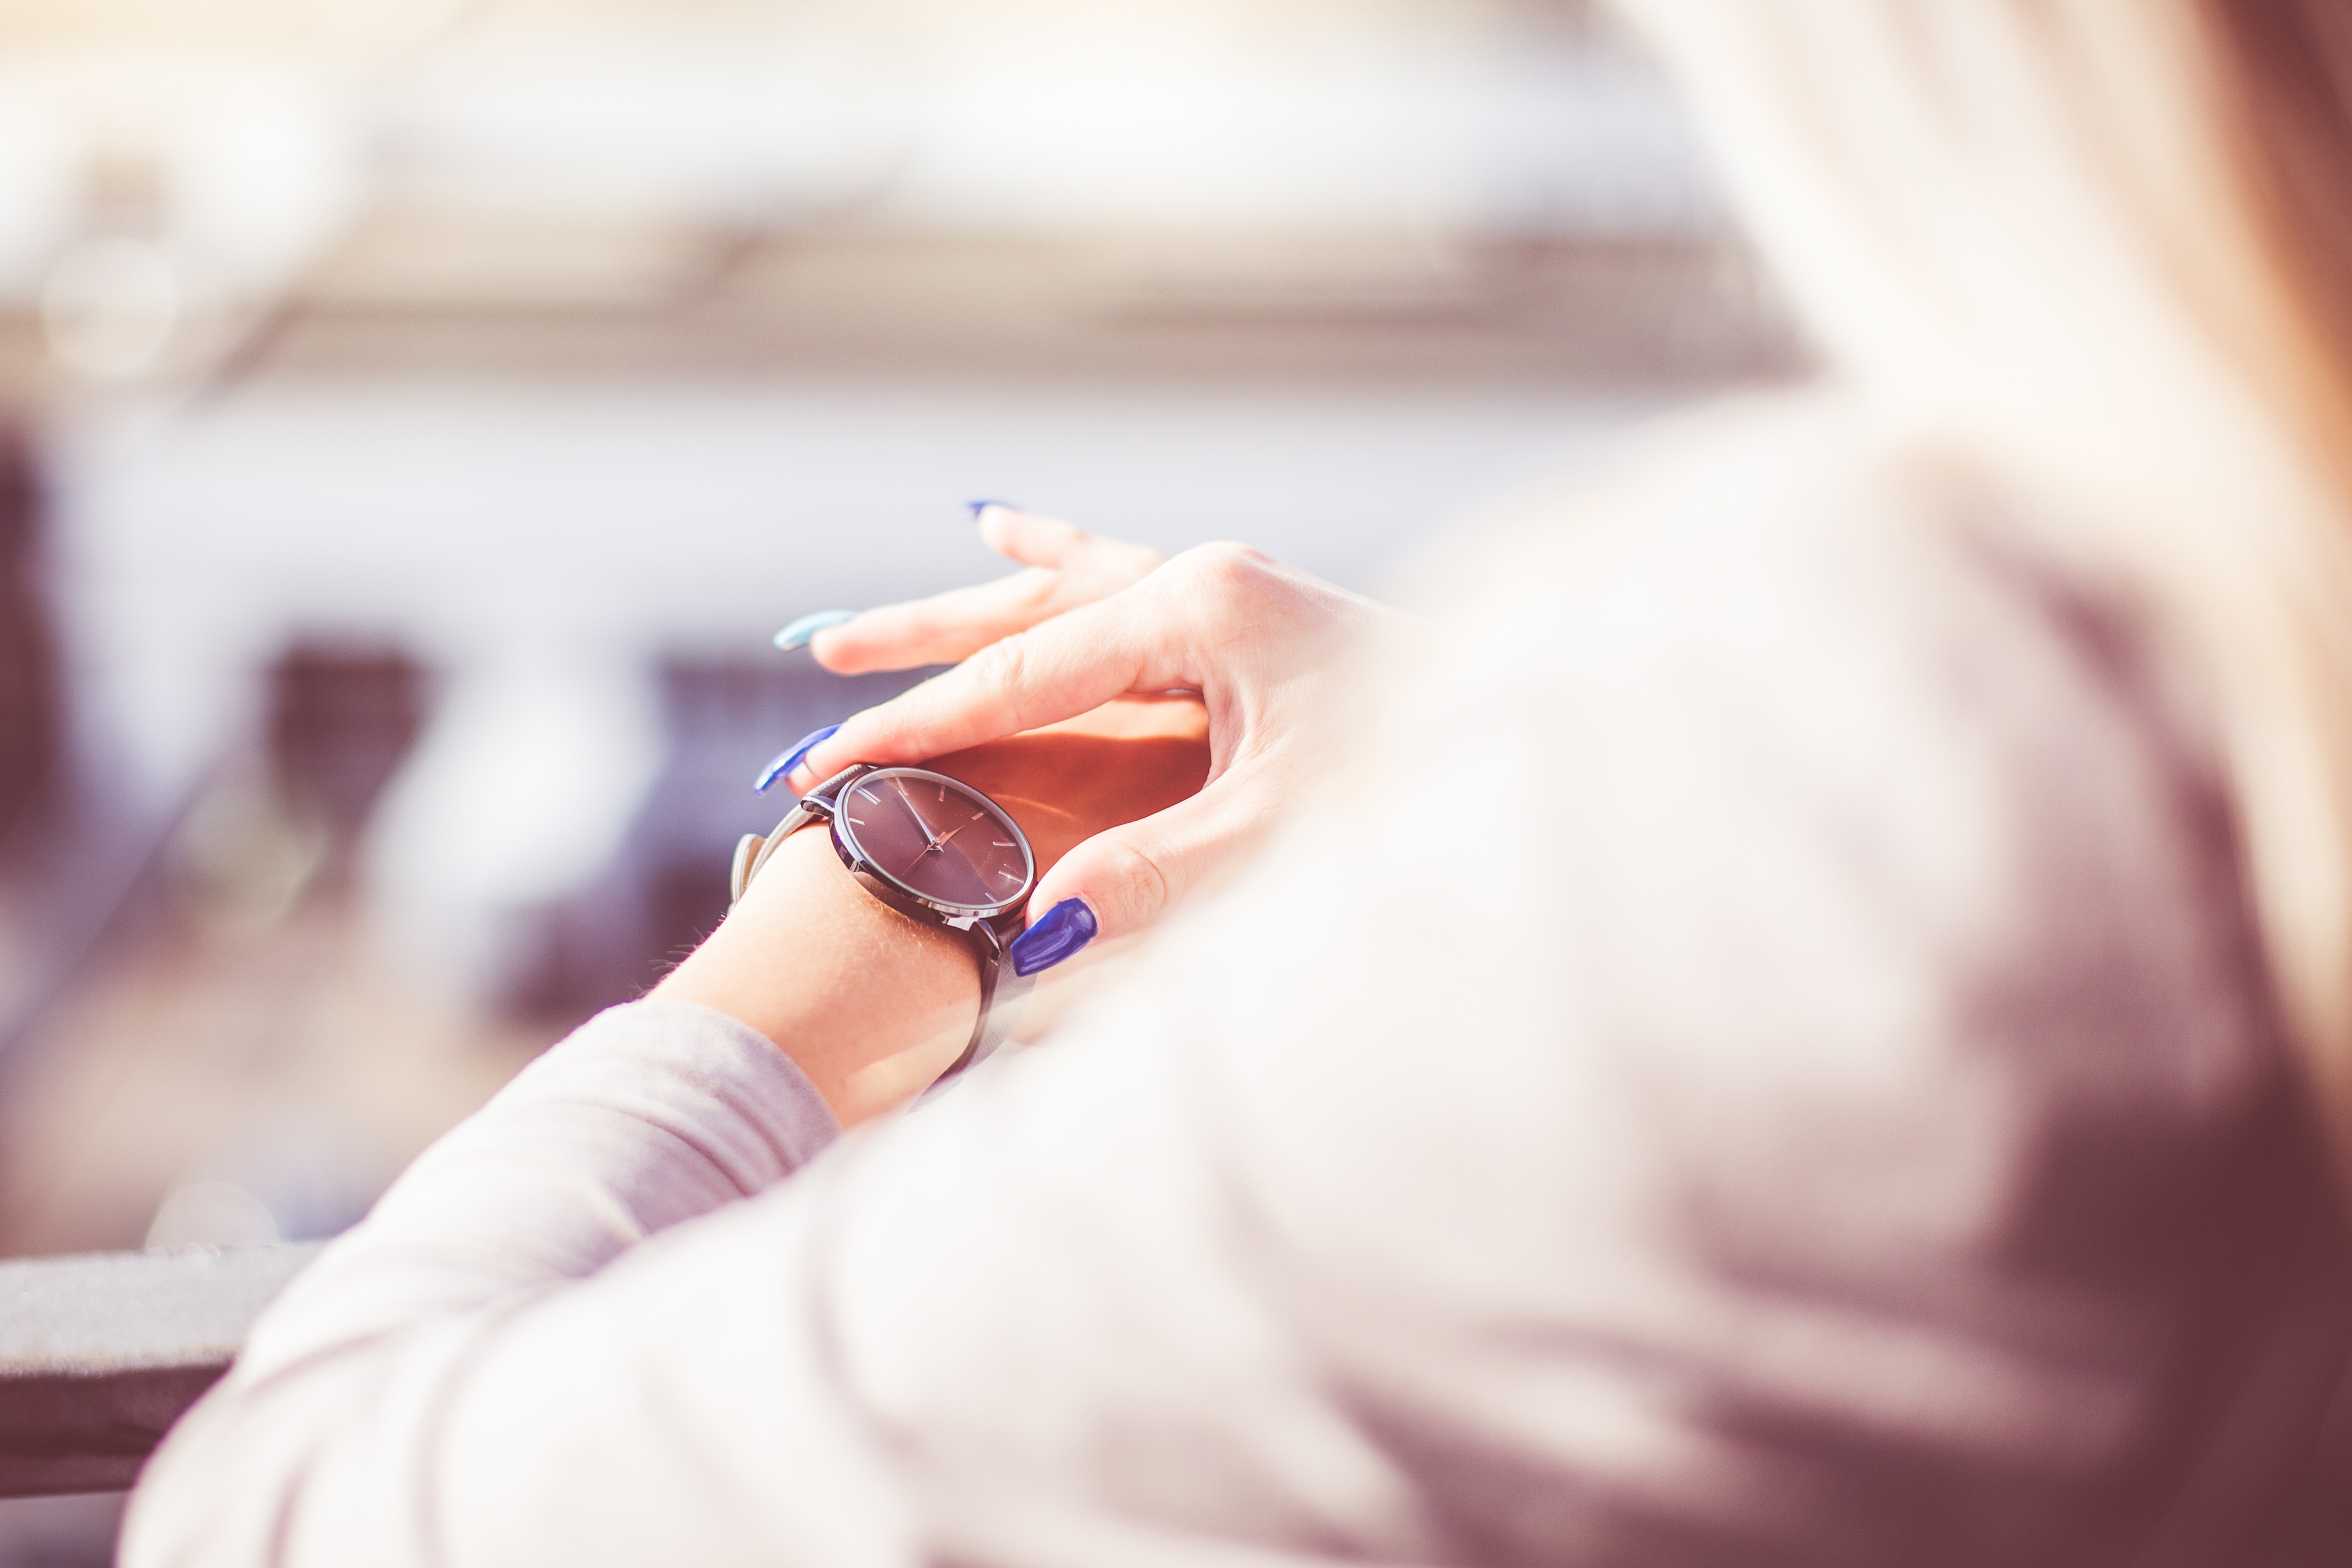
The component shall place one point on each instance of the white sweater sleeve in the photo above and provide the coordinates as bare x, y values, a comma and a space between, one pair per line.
485, 1268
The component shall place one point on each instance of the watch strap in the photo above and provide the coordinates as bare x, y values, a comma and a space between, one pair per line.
1003, 993
751, 851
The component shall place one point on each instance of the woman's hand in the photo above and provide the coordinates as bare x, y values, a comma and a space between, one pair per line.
1066, 568
1268, 648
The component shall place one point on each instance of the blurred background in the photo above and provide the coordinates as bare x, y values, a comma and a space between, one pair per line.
417, 414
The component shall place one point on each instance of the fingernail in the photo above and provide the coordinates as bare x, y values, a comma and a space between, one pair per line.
797, 634
1066, 927
976, 507
787, 761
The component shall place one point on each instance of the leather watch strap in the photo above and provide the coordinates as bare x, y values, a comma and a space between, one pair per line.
751, 851
1003, 992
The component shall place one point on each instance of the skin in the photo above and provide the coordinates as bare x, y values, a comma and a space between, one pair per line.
1271, 651
1064, 570
873, 1005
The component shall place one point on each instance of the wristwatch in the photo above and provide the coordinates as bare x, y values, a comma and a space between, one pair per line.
933, 848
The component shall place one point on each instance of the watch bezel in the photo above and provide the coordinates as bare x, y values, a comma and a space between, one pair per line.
913, 901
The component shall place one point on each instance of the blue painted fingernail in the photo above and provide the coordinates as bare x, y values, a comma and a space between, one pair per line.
1066, 927
976, 507
787, 761
797, 634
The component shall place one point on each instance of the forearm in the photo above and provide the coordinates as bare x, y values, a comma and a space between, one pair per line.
326, 1440
648, 1116
485, 1308
363, 1391
483, 1325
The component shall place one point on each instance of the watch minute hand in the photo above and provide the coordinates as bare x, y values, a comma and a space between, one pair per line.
908, 802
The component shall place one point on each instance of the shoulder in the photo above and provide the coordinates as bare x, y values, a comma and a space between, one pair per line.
1805, 787
1775, 532
1850, 611
1785, 606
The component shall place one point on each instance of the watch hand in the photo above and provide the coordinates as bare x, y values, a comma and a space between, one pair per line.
908, 802
960, 827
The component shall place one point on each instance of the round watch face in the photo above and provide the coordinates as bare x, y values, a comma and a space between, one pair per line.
943, 841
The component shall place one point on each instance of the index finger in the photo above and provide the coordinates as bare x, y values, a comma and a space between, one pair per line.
938, 630
1055, 670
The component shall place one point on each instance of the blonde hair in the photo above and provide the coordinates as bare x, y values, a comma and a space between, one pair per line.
2108, 242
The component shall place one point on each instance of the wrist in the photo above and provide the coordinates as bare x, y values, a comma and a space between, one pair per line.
871, 1004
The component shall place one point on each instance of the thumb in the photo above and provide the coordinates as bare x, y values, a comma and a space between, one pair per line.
1124, 878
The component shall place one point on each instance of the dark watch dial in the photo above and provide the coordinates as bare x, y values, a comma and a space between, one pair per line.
937, 839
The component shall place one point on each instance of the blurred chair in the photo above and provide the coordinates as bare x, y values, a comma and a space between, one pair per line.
30, 724
341, 721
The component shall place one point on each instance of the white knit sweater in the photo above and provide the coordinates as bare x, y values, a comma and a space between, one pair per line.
1763, 1061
